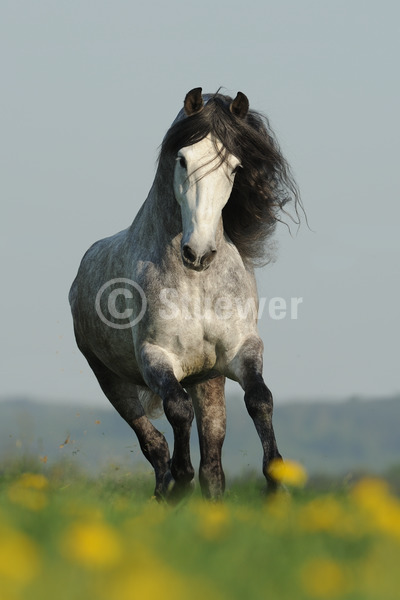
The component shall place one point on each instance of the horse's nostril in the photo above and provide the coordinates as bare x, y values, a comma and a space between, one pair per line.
188, 254
208, 257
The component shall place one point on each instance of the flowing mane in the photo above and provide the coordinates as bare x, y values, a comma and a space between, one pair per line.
264, 183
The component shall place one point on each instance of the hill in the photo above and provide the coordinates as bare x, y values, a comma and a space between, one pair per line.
327, 437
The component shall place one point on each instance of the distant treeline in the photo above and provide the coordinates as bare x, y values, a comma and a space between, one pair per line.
328, 438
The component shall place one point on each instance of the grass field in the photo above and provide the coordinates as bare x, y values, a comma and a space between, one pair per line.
63, 536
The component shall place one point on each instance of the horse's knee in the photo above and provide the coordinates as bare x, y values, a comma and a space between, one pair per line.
178, 409
152, 443
259, 401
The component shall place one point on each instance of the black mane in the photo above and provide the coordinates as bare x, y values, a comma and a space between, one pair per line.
264, 184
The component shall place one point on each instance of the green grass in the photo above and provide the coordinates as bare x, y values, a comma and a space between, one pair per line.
64, 535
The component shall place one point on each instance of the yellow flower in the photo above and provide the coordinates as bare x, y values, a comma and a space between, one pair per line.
324, 514
152, 581
28, 491
370, 492
19, 557
324, 578
36, 481
381, 508
288, 472
214, 519
93, 544
147, 575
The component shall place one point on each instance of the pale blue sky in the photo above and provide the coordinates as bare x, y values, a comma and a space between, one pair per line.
88, 91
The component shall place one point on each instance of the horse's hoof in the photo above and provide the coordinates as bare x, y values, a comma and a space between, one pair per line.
276, 489
177, 491
167, 484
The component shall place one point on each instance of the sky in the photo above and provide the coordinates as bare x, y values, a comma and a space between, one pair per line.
89, 89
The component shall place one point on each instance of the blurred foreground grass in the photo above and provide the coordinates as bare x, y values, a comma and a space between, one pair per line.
65, 536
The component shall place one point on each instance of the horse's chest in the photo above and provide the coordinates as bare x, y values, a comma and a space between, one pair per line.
204, 330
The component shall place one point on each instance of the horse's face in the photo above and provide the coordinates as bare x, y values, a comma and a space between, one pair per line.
202, 187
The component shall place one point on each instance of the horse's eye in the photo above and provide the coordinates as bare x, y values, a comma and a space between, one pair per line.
182, 162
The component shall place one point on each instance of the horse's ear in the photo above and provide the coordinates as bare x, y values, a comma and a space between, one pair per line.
240, 105
193, 103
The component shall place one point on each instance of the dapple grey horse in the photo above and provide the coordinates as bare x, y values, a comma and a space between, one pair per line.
156, 306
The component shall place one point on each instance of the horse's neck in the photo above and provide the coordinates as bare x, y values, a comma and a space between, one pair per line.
159, 219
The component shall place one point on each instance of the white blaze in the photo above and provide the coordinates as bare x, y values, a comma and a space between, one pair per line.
202, 187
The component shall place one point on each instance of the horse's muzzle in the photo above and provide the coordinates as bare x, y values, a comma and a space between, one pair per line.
196, 262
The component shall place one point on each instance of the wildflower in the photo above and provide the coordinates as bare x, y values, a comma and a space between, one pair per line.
324, 514
373, 497
214, 520
92, 544
370, 493
324, 578
288, 472
152, 580
29, 491
148, 575
19, 557
34, 481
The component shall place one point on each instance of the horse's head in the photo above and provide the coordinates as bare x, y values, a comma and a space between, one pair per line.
202, 186
203, 180
213, 137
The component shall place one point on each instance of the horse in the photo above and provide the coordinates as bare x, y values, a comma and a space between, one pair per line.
156, 307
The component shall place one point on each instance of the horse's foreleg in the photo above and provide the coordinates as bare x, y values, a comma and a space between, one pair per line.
123, 396
209, 405
155, 448
246, 368
158, 372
